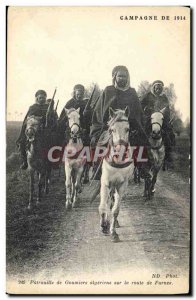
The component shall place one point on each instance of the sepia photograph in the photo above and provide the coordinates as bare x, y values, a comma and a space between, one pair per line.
98, 150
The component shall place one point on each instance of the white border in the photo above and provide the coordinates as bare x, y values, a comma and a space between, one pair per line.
3, 4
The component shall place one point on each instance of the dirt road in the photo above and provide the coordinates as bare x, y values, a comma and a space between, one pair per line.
51, 240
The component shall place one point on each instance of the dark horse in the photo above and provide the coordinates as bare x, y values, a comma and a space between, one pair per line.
155, 152
37, 160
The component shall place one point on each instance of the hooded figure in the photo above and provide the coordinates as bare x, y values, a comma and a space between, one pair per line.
119, 95
156, 100
38, 109
77, 101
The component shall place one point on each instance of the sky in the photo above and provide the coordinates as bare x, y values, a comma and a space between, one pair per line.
58, 47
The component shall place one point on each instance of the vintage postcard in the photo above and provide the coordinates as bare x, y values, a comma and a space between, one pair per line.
98, 150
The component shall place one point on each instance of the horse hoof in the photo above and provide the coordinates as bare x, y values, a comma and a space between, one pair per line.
115, 238
74, 205
117, 225
68, 205
46, 191
105, 227
86, 181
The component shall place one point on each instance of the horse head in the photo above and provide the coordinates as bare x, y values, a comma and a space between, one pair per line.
119, 127
157, 123
73, 116
34, 125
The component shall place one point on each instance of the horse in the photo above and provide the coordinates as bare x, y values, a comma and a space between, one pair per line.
115, 173
36, 158
74, 165
155, 153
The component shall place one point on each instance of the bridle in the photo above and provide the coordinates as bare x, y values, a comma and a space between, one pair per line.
75, 136
119, 142
35, 133
160, 125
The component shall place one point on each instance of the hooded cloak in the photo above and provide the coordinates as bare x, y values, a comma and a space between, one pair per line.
116, 98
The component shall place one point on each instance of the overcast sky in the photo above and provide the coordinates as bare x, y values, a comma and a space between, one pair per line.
60, 47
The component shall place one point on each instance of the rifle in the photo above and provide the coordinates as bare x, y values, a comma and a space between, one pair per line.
50, 108
88, 105
172, 119
57, 105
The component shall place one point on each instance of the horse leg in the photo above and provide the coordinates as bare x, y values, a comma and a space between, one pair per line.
68, 185
77, 186
103, 208
115, 212
154, 179
31, 188
135, 174
86, 173
112, 200
47, 180
40, 185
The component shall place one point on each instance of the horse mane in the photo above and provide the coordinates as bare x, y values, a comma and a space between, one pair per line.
70, 110
119, 116
33, 118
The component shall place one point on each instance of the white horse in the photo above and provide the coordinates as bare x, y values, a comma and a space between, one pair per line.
74, 165
155, 153
115, 173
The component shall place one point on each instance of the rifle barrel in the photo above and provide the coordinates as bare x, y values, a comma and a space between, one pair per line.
56, 105
54, 94
90, 99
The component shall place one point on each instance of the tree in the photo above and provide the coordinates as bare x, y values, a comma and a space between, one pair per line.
96, 94
187, 126
143, 89
178, 126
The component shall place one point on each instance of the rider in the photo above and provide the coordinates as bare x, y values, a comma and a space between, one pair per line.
156, 100
78, 101
119, 95
38, 109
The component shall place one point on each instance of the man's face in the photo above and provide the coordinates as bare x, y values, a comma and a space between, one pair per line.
41, 98
158, 88
79, 94
121, 78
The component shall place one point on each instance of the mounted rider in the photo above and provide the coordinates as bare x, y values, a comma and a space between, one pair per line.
38, 109
119, 95
154, 101
78, 101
